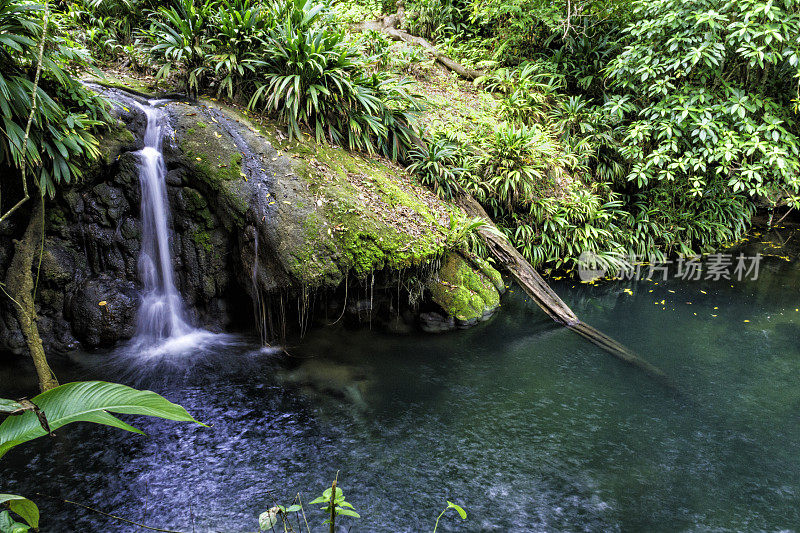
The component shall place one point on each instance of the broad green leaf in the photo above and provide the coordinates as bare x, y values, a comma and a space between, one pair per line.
9, 406
347, 512
9, 525
23, 507
89, 401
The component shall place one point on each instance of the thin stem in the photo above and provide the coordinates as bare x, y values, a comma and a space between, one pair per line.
302, 509
109, 515
438, 518
333, 505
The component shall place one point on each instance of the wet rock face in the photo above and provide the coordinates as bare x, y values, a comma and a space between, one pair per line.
104, 310
252, 216
89, 286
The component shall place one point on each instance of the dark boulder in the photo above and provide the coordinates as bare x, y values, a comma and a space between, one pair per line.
103, 311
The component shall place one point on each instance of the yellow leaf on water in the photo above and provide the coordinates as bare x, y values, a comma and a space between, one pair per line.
198, 158
747, 321
102, 304
704, 292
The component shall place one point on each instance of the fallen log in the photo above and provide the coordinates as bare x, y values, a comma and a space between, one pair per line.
535, 286
390, 26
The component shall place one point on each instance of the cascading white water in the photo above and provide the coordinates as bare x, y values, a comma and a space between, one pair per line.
161, 314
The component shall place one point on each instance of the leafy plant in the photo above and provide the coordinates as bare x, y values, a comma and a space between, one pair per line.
517, 163
240, 30
436, 19
61, 136
335, 505
90, 401
713, 107
463, 234
435, 165
312, 77
179, 36
23, 508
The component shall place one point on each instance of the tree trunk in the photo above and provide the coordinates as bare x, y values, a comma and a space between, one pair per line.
19, 281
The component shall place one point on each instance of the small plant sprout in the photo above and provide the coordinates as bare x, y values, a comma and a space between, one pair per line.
336, 505
450, 505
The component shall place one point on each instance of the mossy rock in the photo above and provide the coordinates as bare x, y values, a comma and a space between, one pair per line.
467, 293
317, 213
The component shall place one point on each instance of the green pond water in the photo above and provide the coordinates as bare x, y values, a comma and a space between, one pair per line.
523, 423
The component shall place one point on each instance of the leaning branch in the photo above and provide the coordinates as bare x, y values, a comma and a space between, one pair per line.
538, 289
390, 26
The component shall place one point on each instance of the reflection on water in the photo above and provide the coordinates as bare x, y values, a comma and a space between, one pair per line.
522, 422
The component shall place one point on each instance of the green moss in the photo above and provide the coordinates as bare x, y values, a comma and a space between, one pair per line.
219, 170
202, 239
201, 124
56, 218
111, 142
462, 291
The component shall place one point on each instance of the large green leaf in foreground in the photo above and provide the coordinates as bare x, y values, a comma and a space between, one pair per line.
88, 401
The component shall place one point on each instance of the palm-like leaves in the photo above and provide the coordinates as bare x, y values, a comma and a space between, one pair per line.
61, 137
436, 166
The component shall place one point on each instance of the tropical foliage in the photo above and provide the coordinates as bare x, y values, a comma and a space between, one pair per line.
89, 401
291, 60
631, 128
61, 138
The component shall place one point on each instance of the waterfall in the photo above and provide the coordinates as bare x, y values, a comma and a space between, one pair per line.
162, 326
161, 315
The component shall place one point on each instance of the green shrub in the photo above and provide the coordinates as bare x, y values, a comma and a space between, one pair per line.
712, 108
312, 77
179, 34
516, 164
436, 167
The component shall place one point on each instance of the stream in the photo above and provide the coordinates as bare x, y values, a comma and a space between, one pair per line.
523, 423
